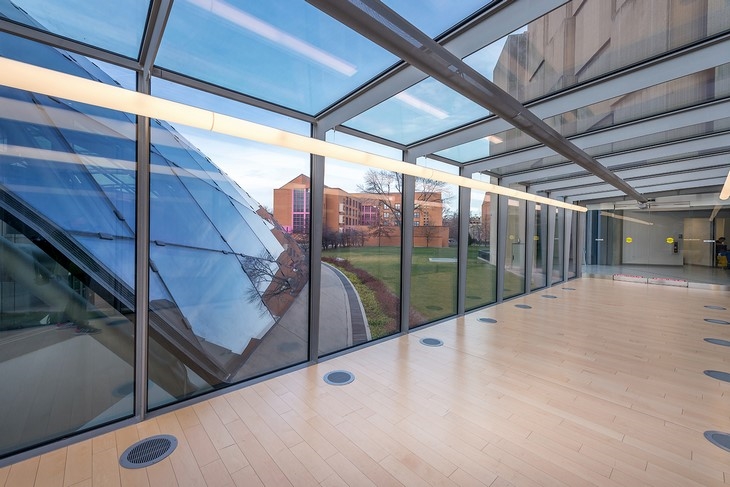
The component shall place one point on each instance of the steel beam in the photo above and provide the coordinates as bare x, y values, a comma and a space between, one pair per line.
676, 149
382, 25
652, 125
706, 55
491, 27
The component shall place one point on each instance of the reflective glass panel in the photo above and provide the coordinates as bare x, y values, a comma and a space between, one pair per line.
481, 270
111, 25
677, 94
424, 109
670, 241
361, 252
573, 254
67, 173
285, 52
434, 260
585, 39
558, 247
514, 276
539, 248
229, 270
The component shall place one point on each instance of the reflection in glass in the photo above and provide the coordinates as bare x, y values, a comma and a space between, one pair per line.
434, 261
675, 242
558, 250
111, 25
228, 278
514, 276
596, 38
67, 200
361, 256
573, 253
539, 250
481, 270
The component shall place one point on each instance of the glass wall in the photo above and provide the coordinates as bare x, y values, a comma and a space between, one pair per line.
229, 254
67, 289
573, 254
539, 249
558, 246
481, 266
361, 251
514, 276
665, 240
229, 240
434, 267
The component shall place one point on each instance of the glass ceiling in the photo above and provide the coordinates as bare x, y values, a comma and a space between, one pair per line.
109, 24
264, 49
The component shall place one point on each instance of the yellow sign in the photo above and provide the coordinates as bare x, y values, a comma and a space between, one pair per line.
670, 240
536, 237
629, 239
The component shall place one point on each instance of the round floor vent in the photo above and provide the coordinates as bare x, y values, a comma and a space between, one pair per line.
716, 374
338, 377
718, 341
431, 342
148, 451
718, 438
717, 322
487, 320
712, 306
523, 306
549, 296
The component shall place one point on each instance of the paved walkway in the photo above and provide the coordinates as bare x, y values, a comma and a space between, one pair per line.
286, 343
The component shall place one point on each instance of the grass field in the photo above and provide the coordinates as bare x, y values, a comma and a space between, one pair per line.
433, 284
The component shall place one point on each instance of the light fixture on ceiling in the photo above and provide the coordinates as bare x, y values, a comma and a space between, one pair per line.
28, 77
725, 193
421, 105
277, 36
494, 139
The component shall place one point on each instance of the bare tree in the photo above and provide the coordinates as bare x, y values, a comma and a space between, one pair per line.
385, 183
380, 230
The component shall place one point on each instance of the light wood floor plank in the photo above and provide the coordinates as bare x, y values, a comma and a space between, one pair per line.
603, 386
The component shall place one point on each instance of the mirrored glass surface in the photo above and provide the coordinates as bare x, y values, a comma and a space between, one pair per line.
229, 270
67, 204
577, 42
114, 26
265, 49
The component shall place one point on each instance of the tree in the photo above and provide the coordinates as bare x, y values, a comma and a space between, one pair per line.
429, 232
384, 183
380, 230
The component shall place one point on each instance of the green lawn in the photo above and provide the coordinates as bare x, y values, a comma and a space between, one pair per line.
433, 284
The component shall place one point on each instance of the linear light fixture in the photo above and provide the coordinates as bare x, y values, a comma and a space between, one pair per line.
421, 105
725, 193
23, 76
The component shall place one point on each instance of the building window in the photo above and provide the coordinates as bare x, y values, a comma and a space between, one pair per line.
300, 210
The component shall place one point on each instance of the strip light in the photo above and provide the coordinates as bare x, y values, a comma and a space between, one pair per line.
23, 76
725, 193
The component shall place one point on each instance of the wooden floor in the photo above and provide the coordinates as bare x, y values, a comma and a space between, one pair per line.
602, 386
